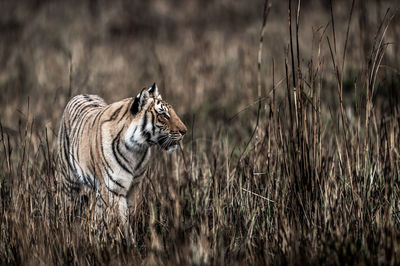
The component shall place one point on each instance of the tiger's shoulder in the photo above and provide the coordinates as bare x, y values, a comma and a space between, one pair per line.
89, 105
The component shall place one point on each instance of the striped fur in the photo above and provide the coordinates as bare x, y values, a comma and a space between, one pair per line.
107, 147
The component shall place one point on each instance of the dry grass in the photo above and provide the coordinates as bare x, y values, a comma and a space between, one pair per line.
311, 177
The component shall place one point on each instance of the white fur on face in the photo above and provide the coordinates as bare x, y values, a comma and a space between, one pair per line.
134, 138
161, 108
137, 135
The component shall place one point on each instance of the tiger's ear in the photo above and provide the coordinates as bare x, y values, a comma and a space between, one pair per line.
153, 91
140, 101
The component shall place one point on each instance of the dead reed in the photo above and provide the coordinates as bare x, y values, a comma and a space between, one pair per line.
299, 179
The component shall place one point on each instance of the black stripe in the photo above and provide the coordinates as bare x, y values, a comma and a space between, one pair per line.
72, 185
71, 166
92, 163
120, 153
114, 115
112, 179
152, 88
93, 170
66, 146
64, 168
88, 181
72, 163
135, 106
122, 116
76, 147
75, 108
115, 153
132, 140
146, 135
101, 146
67, 151
144, 121
77, 133
96, 118
80, 108
88, 106
153, 119
72, 104
87, 97
134, 134
98, 129
139, 175
113, 192
76, 126
141, 161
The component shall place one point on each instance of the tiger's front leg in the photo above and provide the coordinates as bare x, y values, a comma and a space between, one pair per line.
130, 208
123, 211
126, 208
134, 199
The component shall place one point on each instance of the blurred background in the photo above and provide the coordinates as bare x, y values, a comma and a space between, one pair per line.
319, 187
202, 54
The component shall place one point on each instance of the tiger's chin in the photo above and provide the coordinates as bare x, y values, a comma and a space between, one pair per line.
172, 148
169, 145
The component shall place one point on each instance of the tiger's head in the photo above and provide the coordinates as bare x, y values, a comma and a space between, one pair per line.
154, 122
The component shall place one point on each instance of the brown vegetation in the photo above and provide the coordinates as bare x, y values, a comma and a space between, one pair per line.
310, 176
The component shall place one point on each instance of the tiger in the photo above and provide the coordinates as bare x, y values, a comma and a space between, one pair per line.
106, 148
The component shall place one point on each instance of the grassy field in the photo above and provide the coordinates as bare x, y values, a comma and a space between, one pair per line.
295, 162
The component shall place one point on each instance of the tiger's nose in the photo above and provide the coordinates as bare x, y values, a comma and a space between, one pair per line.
182, 131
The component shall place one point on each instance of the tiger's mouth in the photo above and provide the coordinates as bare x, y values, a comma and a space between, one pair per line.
167, 143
